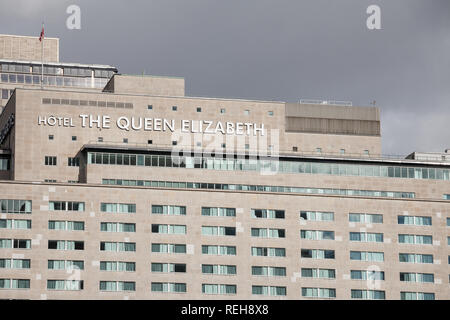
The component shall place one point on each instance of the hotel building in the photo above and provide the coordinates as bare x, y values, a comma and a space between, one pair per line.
122, 187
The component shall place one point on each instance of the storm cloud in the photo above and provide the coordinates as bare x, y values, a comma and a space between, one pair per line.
272, 50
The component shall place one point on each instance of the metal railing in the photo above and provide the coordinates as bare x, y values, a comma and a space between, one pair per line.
326, 102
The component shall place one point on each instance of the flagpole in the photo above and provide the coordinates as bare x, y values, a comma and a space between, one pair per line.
42, 56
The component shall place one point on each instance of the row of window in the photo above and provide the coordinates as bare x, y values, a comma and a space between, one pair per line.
222, 110
171, 287
90, 103
259, 188
59, 70
59, 81
280, 166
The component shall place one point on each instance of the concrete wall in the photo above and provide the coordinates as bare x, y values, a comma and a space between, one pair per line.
145, 84
28, 48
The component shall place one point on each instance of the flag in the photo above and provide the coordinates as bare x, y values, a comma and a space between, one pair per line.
41, 37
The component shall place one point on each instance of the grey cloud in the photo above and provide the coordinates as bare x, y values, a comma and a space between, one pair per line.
267, 49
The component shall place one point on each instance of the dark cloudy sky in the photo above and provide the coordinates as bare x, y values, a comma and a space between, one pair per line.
272, 50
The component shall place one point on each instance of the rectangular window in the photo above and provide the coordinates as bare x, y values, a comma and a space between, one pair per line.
218, 269
168, 287
65, 264
317, 254
415, 239
118, 246
15, 224
117, 227
268, 233
316, 235
218, 231
415, 258
218, 212
267, 214
15, 263
66, 225
168, 229
366, 275
413, 220
365, 218
219, 250
416, 295
65, 245
319, 292
118, 207
121, 266
219, 288
169, 210
117, 286
73, 162
15, 206
50, 161
316, 216
417, 277
65, 206
367, 256
366, 237
368, 294
268, 271
318, 273
268, 252
269, 290
168, 248
65, 285
14, 284
168, 267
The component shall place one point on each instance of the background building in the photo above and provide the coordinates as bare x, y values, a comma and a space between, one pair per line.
138, 191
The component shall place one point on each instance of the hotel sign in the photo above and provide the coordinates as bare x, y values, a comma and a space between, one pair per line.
154, 124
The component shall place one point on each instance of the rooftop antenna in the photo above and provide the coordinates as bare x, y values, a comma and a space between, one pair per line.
373, 103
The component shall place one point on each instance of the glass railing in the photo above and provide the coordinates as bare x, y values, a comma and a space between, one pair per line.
56, 81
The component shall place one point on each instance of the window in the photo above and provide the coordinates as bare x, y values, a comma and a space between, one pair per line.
416, 296
168, 287
342, 151
14, 284
366, 152
415, 239
316, 235
218, 288
415, 258
73, 162
270, 113
367, 256
120, 266
318, 273
117, 286
174, 108
169, 210
100, 139
295, 149
15, 224
268, 271
368, 294
199, 109
118, 207
318, 293
365, 218
168, 248
222, 111
366, 275
268, 233
125, 140
219, 250
218, 231
174, 143
267, 214
50, 161
15, 206
118, 246
316, 216
50, 137
65, 245
168, 229
366, 237
74, 138
66, 225
412, 220
149, 141
269, 290
319, 150
65, 264
317, 254
65, 206
117, 227
149, 107
268, 252
15, 263
218, 269
168, 267
416, 277
246, 112
218, 212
